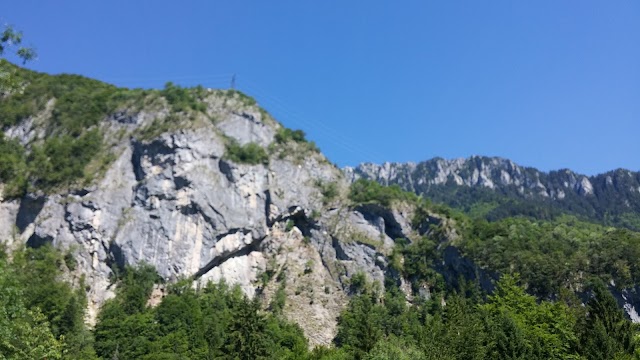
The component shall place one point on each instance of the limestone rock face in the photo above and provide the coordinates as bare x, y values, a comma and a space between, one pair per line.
175, 201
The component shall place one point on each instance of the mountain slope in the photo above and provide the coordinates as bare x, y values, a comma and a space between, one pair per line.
199, 183
203, 185
497, 188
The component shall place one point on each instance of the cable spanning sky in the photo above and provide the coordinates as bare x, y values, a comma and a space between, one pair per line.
550, 84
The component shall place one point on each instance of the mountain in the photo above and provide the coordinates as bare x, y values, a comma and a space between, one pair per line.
201, 186
497, 188
199, 183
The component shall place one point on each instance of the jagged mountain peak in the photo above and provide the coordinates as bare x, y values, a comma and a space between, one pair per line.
602, 198
484, 171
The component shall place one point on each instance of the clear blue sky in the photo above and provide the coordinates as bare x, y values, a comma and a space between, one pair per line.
546, 83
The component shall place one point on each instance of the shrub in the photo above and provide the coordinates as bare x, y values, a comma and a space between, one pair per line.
183, 99
279, 300
62, 159
70, 261
284, 135
250, 153
12, 164
244, 98
289, 226
328, 190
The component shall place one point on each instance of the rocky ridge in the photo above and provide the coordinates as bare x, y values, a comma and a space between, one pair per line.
615, 192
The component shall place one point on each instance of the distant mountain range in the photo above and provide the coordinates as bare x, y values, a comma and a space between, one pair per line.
495, 188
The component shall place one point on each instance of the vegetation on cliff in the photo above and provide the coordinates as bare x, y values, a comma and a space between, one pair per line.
41, 317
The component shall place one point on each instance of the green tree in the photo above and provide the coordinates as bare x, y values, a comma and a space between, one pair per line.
286, 340
247, 338
394, 348
24, 333
524, 329
324, 353
12, 39
11, 42
360, 326
218, 303
464, 334
38, 270
127, 336
179, 318
607, 334
125, 326
136, 287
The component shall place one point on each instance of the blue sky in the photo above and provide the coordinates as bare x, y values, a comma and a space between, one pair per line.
547, 83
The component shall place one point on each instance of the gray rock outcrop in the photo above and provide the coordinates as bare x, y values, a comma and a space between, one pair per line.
177, 202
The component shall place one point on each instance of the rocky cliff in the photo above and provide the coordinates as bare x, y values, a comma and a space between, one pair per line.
175, 193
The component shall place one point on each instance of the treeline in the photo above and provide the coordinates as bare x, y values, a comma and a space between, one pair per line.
215, 322
510, 324
218, 322
41, 316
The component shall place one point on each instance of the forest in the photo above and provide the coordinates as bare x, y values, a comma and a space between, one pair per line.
42, 317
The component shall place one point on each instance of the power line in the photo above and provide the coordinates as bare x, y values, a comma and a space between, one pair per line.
276, 104
332, 135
